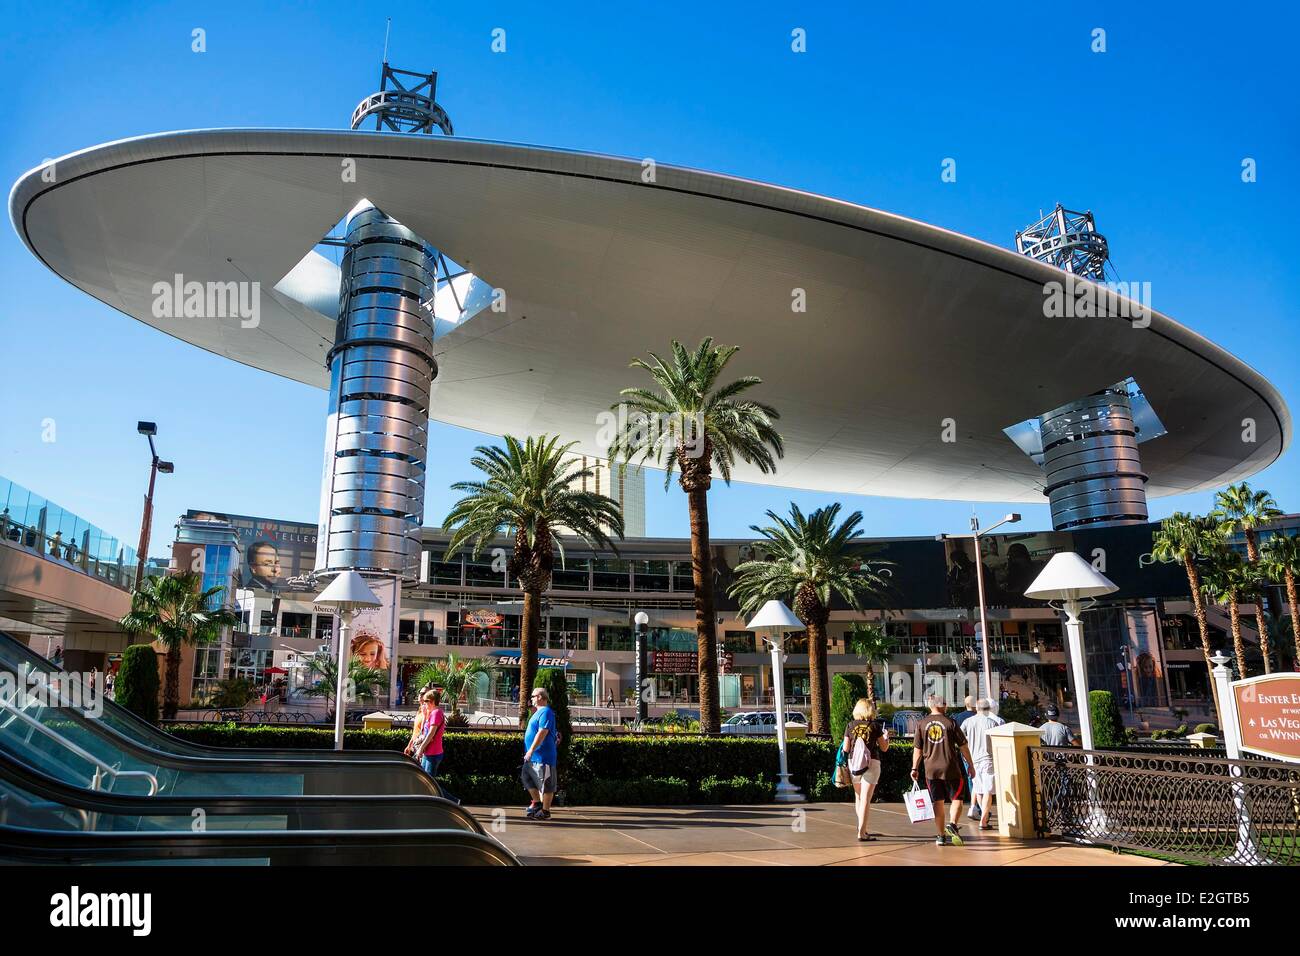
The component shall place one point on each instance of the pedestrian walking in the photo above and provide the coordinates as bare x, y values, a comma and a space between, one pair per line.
865, 740
1053, 733
983, 782
541, 756
938, 748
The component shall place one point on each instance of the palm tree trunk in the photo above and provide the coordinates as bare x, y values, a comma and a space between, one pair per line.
1239, 648
1203, 625
820, 703
705, 625
1261, 625
532, 627
1289, 578
871, 683
172, 684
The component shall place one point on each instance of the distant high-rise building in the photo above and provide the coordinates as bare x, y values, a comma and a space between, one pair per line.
624, 483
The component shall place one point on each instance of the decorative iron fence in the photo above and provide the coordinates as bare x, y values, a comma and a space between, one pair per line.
1190, 807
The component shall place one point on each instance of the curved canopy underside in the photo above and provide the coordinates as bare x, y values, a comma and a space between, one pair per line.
906, 325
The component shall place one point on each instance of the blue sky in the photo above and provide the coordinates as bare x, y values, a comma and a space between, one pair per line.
1150, 135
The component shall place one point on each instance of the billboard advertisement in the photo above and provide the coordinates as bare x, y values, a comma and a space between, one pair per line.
278, 555
1010, 564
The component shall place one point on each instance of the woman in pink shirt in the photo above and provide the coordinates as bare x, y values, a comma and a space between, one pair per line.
428, 748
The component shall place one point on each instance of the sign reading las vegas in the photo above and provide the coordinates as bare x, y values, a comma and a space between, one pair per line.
1268, 713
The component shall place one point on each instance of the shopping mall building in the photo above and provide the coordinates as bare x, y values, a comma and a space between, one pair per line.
1142, 644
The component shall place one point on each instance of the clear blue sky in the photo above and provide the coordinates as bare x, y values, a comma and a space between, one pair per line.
1150, 135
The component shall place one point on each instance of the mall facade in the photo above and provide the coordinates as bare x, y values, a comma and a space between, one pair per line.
1142, 645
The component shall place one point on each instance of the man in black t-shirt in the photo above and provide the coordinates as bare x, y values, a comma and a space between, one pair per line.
940, 745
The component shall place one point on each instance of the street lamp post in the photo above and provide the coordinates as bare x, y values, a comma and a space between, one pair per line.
156, 465
976, 534
642, 620
1073, 585
347, 593
773, 621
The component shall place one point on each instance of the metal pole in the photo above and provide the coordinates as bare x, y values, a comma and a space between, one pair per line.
984, 624
340, 677
641, 709
1074, 629
147, 520
786, 792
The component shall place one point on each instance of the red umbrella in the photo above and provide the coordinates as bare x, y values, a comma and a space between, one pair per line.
275, 670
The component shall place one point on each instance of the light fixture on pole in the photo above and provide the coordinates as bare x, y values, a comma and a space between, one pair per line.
773, 621
347, 593
642, 620
1072, 585
156, 465
975, 535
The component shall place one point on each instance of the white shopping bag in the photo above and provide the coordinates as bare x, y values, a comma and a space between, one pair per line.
919, 807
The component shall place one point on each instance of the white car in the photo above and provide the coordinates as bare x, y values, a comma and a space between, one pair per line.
759, 722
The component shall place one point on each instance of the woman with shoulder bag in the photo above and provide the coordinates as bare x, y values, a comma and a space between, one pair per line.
865, 740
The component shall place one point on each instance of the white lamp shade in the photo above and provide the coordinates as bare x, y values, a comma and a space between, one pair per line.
775, 616
1068, 577
347, 592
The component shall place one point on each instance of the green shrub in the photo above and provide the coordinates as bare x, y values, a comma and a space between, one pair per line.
233, 692
557, 686
735, 790
1179, 732
136, 687
1014, 710
1205, 729
1107, 722
846, 691
647, 791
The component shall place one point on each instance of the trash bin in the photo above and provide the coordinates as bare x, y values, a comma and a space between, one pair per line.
377, 721
793, 731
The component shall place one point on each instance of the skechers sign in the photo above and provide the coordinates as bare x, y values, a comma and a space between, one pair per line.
512, 657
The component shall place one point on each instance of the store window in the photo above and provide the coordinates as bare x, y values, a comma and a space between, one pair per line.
741, 642
651, 575
406, 632
610, 575
683, 576
427, 632
614, 638
575, 575
444, 572
566, 633
295, 625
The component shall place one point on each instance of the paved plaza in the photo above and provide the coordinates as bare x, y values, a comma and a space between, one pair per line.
823, 835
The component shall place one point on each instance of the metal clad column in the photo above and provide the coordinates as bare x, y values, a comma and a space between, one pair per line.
381, 368
1090, 455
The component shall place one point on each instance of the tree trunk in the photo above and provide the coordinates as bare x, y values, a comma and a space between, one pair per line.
1261, 626
705, 624
172, 684
1239, 648
1289, 578
871, 683
532, 627
1198, 607
818, 679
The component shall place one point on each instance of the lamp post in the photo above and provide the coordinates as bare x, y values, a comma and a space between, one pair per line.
773, 621
975, 535
1073, 585
347, 593
156, 465
642, 620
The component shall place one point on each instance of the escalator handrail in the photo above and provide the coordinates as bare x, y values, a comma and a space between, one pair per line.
100, 766
29, 779
164, 740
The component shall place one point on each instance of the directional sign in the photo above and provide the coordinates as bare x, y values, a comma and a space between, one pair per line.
1268, 713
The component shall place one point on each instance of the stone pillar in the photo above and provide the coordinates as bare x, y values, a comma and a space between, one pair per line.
1094, 476
381, 369
1013, 771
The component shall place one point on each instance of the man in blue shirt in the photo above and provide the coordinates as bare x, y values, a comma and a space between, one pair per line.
540, 756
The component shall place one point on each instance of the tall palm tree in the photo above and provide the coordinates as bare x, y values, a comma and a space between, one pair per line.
532, 487
1281, 553
809, 558
1241, 508
172, 610
1186, 539
869, 642
1226, 579
693, 424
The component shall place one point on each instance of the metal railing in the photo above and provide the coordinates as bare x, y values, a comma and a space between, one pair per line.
1203, 809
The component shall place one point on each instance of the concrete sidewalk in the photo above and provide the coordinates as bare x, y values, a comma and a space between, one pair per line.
816, 834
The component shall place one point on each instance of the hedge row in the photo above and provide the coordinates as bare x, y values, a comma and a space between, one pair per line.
663, 768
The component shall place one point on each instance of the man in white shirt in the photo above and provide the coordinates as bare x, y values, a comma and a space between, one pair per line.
976, 730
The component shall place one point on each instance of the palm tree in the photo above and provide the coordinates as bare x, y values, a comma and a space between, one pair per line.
1185, 539
1281, 554
869, 642
529, 491
171, 610
1239, 508
363, 682
809, 559
694, 424
457, 677
1227, 578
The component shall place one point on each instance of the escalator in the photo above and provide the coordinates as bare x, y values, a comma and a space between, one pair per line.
16, 654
